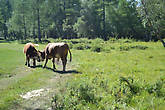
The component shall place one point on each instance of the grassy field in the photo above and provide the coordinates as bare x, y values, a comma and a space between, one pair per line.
116, 74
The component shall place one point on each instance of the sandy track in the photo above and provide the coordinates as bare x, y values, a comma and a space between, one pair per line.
7, 81
40, 99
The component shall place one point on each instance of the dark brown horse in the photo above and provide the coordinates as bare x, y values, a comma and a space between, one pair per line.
31, 53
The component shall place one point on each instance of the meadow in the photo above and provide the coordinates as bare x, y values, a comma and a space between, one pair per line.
114, 74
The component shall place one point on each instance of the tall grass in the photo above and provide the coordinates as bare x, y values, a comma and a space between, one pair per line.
17, 78
11, 57
121, 75
116, 74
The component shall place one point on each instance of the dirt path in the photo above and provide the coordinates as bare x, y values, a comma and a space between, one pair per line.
40, 99
9, 80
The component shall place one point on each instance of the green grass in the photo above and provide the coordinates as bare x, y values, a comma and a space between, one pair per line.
116, 74
100, 86
25, 79
10, 58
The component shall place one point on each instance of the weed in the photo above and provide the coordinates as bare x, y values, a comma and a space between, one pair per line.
96, 48
140, 65
128, 47
157, 88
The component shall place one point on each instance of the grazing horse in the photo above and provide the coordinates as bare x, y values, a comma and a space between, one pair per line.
31, 53
56, 50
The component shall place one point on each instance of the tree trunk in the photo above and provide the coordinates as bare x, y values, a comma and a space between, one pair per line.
34, 32
5, 30
64, 5
38, 19
149, 21
25, 31
158, 36
104, 36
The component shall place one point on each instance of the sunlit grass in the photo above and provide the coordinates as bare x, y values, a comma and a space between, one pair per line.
12, 63
101, 71
100, 85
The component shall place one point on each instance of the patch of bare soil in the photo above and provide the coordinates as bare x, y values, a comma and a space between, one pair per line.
16, 75
40, 99
7, 81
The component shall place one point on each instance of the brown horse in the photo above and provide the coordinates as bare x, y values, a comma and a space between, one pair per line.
56, 50
31, 53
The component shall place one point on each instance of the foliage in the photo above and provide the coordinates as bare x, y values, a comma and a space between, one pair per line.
97, 94
137, 19
120, 79
5, 14
17, 79
123, 19
110, 79
152, 14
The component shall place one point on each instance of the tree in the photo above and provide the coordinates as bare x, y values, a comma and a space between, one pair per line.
72, 11
104, 35
82, 18
123, 19
153, 14
20, 22
37, 4
5, 11
91, 16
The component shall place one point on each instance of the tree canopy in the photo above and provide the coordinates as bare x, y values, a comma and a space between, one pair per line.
138, 19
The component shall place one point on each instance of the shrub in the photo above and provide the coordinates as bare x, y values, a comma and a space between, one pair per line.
97, 41
124, 48
112, 40
157, 88
76, 97
133, 87
96, 48
24, 41
95, 93
129, 47
81, 46
81, 40
97, 45
46, 41
122, 40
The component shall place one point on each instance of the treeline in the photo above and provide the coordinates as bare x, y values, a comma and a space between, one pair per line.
138, 19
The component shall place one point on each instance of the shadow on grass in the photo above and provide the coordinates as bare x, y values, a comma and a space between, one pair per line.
57, 71
37, 66
64, 72
5, 41
29, 108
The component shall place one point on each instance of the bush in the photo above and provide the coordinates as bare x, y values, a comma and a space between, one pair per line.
96, 48
156, 88
97, 45
24, 41
46, 41
129, 82
129, 47
81, 46
76, 97
97, 41
96, 93
122, 40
